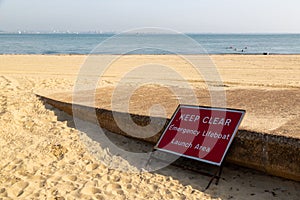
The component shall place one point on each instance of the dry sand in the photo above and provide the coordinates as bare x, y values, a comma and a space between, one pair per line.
43, 156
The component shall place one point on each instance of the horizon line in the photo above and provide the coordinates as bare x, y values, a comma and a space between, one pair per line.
146, 33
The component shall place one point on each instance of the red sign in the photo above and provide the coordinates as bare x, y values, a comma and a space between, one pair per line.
201, 133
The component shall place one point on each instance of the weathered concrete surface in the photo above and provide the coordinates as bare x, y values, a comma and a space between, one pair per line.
273, 154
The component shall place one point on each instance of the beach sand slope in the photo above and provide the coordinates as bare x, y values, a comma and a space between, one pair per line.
44, 157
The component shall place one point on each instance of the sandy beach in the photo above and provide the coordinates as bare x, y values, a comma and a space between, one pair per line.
44, 156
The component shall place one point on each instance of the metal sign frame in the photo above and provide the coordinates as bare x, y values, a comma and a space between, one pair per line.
217, 174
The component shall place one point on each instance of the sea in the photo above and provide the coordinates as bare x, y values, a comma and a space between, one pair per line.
149, 43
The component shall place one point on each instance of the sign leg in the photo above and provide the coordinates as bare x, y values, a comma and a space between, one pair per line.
211, 180
219, 174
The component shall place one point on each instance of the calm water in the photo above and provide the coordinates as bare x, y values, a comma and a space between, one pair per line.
212, 43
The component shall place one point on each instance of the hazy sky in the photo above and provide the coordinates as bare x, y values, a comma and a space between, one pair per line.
219, 16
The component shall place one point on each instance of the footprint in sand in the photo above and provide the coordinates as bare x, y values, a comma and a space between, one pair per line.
105, 178
129, 186
113, 188
17, 189
90, 190
71, 178
91, 167
3, 192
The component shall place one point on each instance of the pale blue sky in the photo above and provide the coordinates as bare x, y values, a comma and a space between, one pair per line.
217, 16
